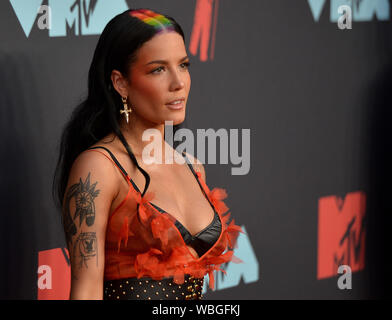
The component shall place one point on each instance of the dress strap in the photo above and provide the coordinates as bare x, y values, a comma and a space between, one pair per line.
189, 164
198, 177
117, 163
113, 157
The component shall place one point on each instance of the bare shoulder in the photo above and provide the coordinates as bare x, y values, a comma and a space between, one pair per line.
197, 165
94, 159
116, 147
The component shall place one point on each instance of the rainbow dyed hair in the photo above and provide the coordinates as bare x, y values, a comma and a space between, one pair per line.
156, 20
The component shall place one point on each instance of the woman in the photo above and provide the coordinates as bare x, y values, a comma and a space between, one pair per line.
122, 245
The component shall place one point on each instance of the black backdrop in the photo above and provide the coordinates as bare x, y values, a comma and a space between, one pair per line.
315, 98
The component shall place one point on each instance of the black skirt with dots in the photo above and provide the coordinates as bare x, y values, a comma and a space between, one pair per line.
150, 289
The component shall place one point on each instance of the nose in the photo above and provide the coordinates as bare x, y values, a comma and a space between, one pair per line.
177, 82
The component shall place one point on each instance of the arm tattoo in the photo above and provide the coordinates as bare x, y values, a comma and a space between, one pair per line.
85, 248
84, 196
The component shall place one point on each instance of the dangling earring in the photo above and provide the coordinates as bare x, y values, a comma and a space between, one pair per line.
125, 110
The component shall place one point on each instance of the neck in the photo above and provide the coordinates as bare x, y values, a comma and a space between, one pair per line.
133, 134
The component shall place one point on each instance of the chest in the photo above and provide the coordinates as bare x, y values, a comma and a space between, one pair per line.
178, 192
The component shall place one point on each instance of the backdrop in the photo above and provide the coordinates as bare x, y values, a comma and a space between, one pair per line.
316, 100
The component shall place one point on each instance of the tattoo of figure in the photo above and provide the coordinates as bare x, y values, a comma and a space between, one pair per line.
85, 249
83, 194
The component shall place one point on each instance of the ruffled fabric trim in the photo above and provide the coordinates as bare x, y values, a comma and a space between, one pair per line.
124, 232
156, 264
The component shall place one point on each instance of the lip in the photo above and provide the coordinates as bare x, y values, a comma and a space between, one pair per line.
176, 106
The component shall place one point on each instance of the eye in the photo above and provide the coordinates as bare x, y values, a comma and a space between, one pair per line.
186, 65
157, 69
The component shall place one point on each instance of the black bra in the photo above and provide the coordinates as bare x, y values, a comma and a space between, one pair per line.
204, 239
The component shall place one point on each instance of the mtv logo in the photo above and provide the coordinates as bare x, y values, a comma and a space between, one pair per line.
363, 10
87, 17
341, 233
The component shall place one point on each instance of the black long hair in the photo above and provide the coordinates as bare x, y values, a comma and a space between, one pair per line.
98, 115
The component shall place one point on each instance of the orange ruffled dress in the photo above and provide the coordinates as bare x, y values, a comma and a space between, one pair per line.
145, 245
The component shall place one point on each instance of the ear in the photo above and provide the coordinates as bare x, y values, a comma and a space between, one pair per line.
120, 84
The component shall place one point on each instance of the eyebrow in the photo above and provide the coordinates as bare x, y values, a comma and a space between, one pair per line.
164, 61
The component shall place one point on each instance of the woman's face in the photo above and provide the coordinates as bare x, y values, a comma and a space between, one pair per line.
159, 76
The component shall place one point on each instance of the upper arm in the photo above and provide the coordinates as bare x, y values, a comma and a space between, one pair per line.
197, 165
90, 191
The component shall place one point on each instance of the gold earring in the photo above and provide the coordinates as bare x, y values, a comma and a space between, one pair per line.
125, 110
